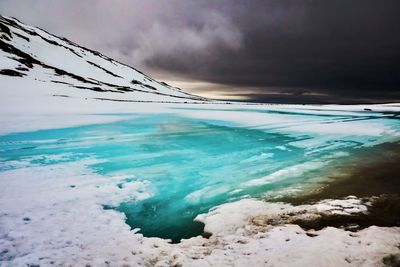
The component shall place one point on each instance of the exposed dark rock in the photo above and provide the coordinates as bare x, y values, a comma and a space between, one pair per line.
150, 87
135, 82
21, 68
27, 61
392, 260
22, 57
11, 73
5, 29
21, 36
105, 70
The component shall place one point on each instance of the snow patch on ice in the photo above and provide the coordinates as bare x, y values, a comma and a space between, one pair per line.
228, 218
54, 214
292, 171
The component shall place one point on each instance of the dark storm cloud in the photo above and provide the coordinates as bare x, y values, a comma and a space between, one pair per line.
280, 51
347, 50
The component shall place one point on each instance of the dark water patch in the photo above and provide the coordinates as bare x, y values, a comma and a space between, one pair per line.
373, 172
148, 215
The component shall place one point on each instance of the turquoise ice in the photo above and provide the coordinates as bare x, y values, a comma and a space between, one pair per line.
191, 165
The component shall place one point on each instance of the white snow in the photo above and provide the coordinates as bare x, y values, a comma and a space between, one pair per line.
292, 171
241, 212
67, 56
54, 215
289, 245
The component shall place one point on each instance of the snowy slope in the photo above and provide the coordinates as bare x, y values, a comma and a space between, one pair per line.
31, 56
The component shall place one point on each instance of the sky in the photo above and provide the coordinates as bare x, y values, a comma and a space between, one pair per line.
281, 51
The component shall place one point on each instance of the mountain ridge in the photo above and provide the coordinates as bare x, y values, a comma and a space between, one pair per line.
31, 51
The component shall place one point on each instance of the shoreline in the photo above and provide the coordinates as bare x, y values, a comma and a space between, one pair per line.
365, 177
355, 216
258, 233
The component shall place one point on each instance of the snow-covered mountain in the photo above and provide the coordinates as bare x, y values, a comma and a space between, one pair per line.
31, 57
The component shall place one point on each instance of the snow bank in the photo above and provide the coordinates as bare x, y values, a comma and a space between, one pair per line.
289, 245
54, 215
228, 218
255, 233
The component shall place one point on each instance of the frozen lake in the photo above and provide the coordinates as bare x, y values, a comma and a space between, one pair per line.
186, 164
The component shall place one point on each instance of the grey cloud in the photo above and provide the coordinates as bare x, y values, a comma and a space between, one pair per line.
132, 31
263, 50
171, 41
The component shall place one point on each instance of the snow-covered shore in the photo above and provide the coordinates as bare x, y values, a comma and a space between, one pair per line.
256, 233
66, 225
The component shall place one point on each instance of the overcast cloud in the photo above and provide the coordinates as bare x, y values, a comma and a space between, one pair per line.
272, 51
